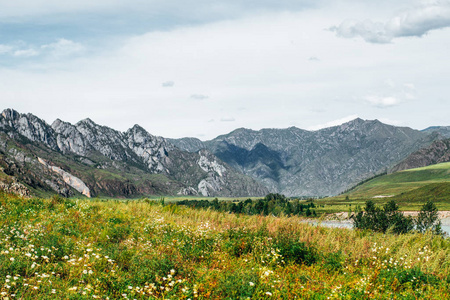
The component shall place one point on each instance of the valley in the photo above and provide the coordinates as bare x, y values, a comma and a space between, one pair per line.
90, 212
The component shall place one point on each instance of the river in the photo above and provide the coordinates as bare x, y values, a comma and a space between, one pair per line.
348, 224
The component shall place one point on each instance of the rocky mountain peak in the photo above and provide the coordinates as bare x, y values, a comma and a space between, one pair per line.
29, 126
86, 121
10, 114
70, 139
58, 125
137, 128
151, 149
356, 124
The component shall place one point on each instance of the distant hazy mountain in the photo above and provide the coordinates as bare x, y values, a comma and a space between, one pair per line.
95, 160
298, 162
437, 152
442, 130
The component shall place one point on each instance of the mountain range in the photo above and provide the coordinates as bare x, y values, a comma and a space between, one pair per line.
298, 162
94, 160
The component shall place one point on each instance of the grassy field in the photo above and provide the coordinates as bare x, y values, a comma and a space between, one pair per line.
401, 182
105, 249
409, 188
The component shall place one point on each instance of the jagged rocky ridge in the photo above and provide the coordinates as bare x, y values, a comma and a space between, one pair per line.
437, 152
298, 162
96, 160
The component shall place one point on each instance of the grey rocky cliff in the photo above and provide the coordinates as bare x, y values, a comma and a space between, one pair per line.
68, 178
26, 172
29, 126
188, 144
151, 149
69, 139
107, 141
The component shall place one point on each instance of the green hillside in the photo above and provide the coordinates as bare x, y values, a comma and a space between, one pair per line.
403, 182
433, 191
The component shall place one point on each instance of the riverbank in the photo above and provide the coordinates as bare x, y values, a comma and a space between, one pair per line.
444, 216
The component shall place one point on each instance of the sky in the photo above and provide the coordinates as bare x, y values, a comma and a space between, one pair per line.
206, 67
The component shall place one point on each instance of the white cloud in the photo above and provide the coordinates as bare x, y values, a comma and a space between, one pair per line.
382, 101
249, 62
4, 49
391, 94
168, 84
63, 47
26, 53
332, 123
416, 21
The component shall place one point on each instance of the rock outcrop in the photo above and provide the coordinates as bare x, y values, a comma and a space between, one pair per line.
15, 188
68, 178
437, 152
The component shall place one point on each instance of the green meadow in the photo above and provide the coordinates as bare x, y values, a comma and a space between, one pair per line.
403, 181
60, 248
410, 189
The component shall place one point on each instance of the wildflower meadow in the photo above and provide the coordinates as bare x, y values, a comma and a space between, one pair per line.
140, 249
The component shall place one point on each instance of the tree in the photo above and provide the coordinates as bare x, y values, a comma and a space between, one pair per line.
382, 220
428, 219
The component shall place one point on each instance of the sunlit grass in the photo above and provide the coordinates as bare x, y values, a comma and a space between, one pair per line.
403, 181
99, 249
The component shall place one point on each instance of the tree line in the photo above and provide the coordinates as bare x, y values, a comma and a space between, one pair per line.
272, 204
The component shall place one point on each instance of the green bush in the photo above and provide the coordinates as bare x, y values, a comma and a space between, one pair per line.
414, 277
428, 219
292, 250
382, 219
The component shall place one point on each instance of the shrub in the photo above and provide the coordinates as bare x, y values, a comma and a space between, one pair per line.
382, 220
292, 250
397, 277
428, 219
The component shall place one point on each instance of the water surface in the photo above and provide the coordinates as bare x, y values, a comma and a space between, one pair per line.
349, 224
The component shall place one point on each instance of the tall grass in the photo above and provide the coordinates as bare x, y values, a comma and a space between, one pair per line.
81, 249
